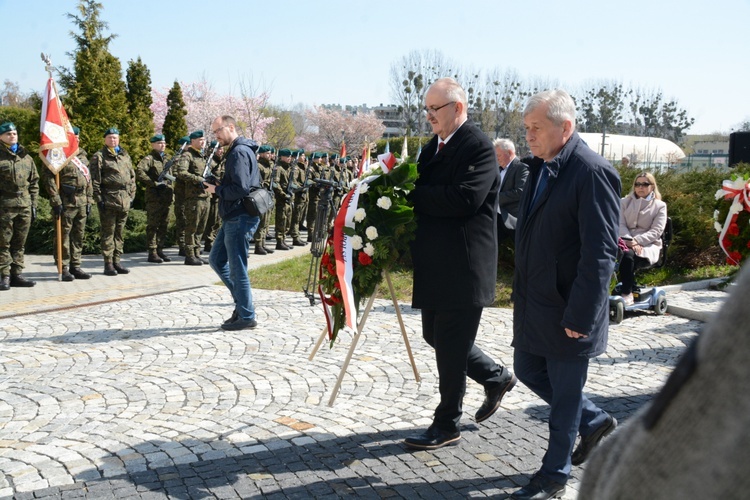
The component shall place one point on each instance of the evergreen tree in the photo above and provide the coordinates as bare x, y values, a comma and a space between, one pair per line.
175, 125
95, 92
138, 78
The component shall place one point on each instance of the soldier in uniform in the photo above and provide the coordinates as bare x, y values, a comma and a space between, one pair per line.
19, 188
282, 188
72, 202
113, 179
179, 204
265, 168
158, 198
299, 195
190, 169
317, 171
213, 221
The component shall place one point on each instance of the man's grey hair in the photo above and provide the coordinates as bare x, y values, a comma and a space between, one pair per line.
561, 106
453, 90
504, 144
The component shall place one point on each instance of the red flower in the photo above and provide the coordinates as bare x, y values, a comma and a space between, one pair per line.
734, 229
336, 284
364, 259
325, 259
734, 258
335, 300
748, 244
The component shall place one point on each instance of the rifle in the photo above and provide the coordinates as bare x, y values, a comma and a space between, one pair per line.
208, 178
165, 171
274, 169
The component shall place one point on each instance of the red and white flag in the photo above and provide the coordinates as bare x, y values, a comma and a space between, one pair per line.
364, 162
58, 144
387, 162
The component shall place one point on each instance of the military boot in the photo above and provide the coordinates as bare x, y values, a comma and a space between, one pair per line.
181, 253
298, 242
109, 269
280, 245
191, 259
207, 246
154, 257
78, 273
120, 270
5, 283
162, 255
66, 276
18, 280
198, 254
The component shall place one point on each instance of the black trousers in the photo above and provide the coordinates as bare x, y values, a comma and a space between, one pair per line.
451, 333
628, 264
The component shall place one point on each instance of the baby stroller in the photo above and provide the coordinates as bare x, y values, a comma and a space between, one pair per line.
653, 298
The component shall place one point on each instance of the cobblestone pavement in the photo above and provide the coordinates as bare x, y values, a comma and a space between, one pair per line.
147, 398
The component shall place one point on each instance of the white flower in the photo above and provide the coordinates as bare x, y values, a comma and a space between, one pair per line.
363, 187
719, 194
736, 207
356, 242
371, 232
384, 202
718, 227
716, 215
359, 215
369, 249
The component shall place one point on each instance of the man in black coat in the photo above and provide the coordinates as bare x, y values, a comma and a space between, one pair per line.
566, 243
513, 174
455, 258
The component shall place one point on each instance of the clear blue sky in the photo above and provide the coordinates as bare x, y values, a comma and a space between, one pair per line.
340, 51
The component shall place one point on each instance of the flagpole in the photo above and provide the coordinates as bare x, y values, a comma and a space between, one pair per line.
58, 221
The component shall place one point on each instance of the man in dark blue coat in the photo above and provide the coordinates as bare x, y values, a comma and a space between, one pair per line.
566, 244
455, 258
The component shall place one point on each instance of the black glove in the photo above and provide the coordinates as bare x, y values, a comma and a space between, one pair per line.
88, 209
33, 214
101, 207
58, 210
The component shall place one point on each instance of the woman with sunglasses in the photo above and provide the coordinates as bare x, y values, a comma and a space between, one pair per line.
643, 217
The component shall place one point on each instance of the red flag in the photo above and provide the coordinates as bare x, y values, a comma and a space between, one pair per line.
343, 149
387, 162
58, 144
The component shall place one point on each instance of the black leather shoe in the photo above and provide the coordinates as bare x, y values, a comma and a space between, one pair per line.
432, 439
207, 246
240, 324
280, 245
492, 399
193, 261
120, 270
540, 488
5, 283
19, 281
235, 315
109, 269
66, 276
78, 273
298, 243
588, 443
181, 253
259, 250
162, 255
154, 257
269, 249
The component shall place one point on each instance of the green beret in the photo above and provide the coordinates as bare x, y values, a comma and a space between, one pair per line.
183, 140
265, 149
110, 131
76, 131
157, 138
7, 127
196, 135
285, 152
212, 144
300, 152
334, 156
318, 154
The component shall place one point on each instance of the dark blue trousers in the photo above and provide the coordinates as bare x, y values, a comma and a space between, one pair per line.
560, 384
451, 333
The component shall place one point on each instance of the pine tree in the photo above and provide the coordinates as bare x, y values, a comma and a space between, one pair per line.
138, 78
175, 125
94, 90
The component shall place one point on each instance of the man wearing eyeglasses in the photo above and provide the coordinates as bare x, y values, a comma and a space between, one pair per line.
566, 243
455, 258
228, 257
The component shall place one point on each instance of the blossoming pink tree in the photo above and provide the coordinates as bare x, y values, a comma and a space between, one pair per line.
325, 127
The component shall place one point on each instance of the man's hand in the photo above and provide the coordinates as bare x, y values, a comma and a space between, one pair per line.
574, 335
210, 188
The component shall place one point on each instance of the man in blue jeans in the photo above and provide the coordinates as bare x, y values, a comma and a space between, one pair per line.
228, 255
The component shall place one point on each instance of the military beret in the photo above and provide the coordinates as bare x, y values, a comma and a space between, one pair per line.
110, 131
318, 154
212, 144
76, 131
265, 149
334, 156
7, 127
285, 152
196, 135
183, 140
157, 138
300, 152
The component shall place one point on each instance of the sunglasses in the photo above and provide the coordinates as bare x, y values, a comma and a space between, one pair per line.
642, 184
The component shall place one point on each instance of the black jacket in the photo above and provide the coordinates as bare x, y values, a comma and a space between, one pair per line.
565, 255
511, 190
455, 201
240, 174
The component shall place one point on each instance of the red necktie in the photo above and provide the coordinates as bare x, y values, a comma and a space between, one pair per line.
440, 145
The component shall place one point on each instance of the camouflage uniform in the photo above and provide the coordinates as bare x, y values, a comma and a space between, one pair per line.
158, 200
190, 169
265, 168
213, 221
298, 194
113, 180
76, 195
316, 172
19, 188
283, 203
